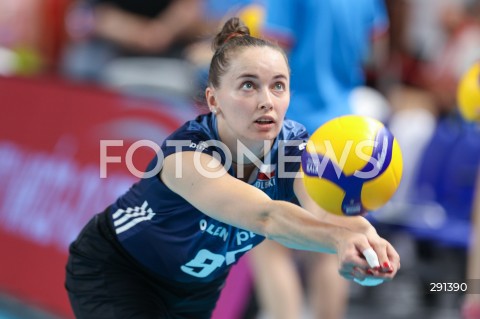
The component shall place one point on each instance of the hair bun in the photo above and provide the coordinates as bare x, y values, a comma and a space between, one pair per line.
234, 27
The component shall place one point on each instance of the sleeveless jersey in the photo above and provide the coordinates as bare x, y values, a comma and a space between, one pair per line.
173, 239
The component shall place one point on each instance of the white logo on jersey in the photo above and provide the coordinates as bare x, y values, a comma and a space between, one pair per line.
200, 146
125, 219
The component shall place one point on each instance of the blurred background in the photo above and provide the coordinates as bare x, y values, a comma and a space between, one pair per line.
77, 72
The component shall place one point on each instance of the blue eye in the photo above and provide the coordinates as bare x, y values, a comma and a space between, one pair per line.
248, 85
279, 86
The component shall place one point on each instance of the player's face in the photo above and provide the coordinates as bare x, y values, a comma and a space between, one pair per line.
253, 95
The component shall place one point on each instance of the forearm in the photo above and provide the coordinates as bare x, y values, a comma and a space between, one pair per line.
118, 26
182, 18
353, 223
294, 227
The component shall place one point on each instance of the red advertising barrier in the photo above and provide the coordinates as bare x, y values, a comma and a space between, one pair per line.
50, 172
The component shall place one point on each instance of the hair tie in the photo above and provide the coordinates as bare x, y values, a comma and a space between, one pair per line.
232, 35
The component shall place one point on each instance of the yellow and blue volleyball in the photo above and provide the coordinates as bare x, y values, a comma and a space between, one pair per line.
352, 165
468, 94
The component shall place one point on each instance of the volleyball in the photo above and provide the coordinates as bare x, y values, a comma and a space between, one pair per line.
468, 94
352, 165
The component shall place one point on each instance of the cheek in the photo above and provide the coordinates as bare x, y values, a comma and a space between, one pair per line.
240, 107
236, 114
284, 104
236, 110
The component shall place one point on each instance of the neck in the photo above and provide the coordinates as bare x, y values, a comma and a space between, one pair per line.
248, 152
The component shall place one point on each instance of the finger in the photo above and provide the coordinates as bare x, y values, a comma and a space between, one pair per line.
385, 263
371, 257
382, 262
353, 273
387, 257
390, 260
393, 256
379, 273
369, 254
359, 273
355, 260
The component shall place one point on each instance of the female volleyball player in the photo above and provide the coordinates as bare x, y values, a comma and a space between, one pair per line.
164, 249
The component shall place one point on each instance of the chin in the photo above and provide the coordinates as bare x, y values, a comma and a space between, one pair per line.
263, 135
268, 135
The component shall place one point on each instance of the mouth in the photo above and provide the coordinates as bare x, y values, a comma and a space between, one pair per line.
265, 120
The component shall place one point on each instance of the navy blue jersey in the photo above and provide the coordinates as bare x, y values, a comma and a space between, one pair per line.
169, 236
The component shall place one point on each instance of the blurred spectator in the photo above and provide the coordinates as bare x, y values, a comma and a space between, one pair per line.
460, 22
127, 42
428, 91
21, 47
331, 44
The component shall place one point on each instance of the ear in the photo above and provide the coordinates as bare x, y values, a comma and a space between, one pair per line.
211, 99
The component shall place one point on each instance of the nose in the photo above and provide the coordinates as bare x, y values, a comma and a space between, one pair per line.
265, 100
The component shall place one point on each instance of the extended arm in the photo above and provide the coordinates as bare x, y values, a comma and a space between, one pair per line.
237, 203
